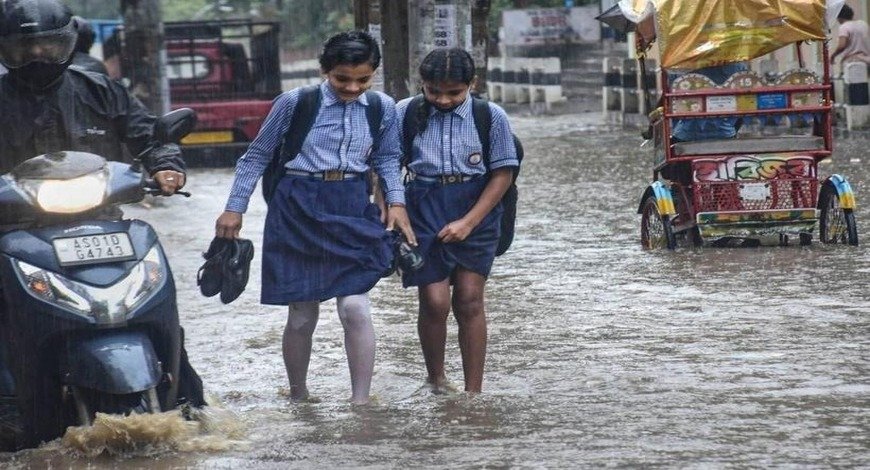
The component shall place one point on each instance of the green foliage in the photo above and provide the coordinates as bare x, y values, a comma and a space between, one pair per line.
176, 11
306, 23
310, 22
102, 9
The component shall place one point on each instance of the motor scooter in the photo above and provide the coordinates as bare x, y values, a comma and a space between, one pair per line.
89, 318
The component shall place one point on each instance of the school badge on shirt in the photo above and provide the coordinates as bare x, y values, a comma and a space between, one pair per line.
474, 159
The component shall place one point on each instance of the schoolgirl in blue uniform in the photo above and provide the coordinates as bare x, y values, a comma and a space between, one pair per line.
453, 203
323, 239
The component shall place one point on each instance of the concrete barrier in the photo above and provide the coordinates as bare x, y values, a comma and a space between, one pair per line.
857, 101
628, 93
300, 73
610, 96
525, 80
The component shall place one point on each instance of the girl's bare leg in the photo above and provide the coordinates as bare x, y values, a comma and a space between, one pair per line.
468, 310
432, 329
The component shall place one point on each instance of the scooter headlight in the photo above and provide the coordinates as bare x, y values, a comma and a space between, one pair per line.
103, 305
69, 196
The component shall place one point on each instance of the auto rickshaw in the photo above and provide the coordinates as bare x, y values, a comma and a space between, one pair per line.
746, 172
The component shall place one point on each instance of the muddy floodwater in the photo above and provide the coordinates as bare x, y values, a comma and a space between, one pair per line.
600, 354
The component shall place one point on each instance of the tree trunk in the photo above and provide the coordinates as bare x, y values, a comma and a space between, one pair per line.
394, 28
144, 62
480, 41
361, 14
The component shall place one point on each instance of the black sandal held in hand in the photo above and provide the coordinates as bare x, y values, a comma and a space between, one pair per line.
236, 269
226, 268
406, 258
209, 276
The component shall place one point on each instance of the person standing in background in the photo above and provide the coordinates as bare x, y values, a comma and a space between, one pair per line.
82, 58
853, 38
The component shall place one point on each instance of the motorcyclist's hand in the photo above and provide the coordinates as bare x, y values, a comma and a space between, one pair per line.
228, 225
170, 181
397, 217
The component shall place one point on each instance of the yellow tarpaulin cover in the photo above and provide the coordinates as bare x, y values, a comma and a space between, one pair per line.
699, 33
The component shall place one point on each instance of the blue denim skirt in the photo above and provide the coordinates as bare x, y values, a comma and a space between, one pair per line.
322, 240
431, 206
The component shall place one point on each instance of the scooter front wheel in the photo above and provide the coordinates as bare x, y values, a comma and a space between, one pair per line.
90, 402
43, 412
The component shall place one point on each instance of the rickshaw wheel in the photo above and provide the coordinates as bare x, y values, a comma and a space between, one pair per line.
806, 239
656, 231
694, 235
836, 225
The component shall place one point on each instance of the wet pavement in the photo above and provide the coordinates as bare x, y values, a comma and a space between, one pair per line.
600, 354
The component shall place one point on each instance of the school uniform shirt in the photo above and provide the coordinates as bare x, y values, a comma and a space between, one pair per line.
450, 144
339, 140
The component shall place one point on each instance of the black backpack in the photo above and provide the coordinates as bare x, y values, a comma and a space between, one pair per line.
301, 122
483, 123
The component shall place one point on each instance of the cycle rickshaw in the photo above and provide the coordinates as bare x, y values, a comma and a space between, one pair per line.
757, 182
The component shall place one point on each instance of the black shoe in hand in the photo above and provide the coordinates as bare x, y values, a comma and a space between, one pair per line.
209, 276
236, 268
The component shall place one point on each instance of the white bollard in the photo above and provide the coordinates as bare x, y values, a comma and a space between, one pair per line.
857, 100
612, 69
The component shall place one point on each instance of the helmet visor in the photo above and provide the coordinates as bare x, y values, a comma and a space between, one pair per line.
53, 47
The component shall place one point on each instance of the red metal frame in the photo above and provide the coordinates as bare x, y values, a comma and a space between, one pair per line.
724, 196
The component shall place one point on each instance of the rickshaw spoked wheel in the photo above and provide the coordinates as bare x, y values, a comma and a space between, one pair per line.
836, 225
656, 231
806, 239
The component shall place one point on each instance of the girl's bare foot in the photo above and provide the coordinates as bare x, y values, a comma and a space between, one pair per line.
298, 395
441, 386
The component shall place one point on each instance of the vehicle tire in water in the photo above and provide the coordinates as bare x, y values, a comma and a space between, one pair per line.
656, 231
806, 239
43, 412
91, 402
836, 225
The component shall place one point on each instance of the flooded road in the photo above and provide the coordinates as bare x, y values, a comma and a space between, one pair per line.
600, 354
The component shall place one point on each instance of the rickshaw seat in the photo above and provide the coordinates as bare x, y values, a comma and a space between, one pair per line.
785, 143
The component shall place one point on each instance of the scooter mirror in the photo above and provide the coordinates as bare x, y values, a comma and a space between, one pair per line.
174, 125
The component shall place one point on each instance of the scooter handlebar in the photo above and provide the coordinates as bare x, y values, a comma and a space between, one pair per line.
152, 187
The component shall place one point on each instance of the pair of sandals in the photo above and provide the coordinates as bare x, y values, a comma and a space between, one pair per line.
226, 268
406, 258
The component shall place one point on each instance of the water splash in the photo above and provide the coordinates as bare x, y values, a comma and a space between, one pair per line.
211, 429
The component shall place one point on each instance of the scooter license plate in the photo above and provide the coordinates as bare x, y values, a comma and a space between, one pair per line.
90, 249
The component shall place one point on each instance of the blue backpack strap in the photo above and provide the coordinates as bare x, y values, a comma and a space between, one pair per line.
410, 124
374, 116
482, 114
301, 121
483, 123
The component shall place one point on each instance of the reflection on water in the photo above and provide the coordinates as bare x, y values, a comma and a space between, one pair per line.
600, 354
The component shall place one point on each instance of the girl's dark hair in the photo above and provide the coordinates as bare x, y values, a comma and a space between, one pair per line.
440, 66
351, 47
846, 13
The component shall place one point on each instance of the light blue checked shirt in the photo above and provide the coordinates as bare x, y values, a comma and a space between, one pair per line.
339, 140
450, 144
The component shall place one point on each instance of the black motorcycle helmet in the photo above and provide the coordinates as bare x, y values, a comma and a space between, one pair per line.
37, 38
